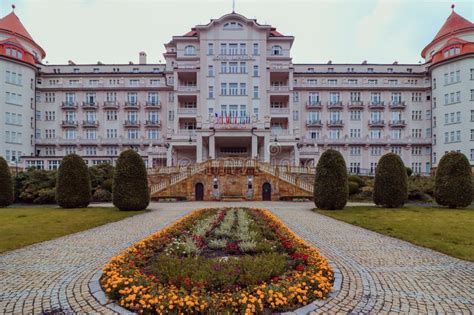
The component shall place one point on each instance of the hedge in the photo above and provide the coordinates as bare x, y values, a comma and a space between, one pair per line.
6, 184
73, 186
331, 190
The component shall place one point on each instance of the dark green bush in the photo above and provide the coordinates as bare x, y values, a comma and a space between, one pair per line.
102, 195
45, 196
33, 182
353, 188
130, 189
6, 184
73, 186
453, 187
331, 190
357, 179
409, 171
391, 182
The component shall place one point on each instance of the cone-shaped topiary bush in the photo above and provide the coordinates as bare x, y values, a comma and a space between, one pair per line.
130, 189
73, 185
453, 186
6, 184
331, 190
391, 182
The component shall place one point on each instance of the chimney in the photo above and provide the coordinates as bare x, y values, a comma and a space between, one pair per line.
142, 58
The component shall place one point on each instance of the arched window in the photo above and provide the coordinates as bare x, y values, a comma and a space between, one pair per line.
277, 50
451, 51
233, 26
14, 52
189, 50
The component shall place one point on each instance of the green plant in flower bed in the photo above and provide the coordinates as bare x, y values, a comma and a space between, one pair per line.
222, 261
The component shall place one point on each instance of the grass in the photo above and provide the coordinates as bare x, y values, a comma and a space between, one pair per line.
24, 226
445, 230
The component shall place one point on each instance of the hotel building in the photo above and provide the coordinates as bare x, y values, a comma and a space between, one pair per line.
230, 89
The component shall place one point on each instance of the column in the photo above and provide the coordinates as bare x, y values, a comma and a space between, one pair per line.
169, 156
254, 146
297, 155
212, 147
198, 148
266, 148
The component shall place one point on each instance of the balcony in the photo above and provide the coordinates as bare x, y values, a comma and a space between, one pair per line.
153, 123
355, 105
314, 105
279, 110
335, 105
376, 123
69, 124
187, 110
69, 105
397, 123
131, 124
279, 88
90, 105
111, 105
131, 105
314, 123
153, 105
335, 123
397, 105
231, 122
376, 105
187, 88
90, 123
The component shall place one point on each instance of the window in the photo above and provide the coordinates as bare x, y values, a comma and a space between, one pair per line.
354, 133
355, 115
153, 98
255, 70
233, 67
243, 89
223, 67
257, 52
243, 67
233, 26
277, 50
223, 88
14, 52
355, 150
111, 133
112, 115
211, 92
243, 49
233, 49
233, 89
255, 92
153, 134
189, 50
210, 49
210, 70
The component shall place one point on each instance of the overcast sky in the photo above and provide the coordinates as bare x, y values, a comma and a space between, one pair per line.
114, 31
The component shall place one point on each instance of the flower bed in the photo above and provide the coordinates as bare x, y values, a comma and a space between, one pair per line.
222, 260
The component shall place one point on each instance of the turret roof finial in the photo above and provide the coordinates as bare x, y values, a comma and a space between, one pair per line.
13, 7
233, 6
452, 6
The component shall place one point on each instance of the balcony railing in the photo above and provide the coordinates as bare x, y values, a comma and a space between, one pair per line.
111, 105
313, 105
90, 105
131, 124
69, 123
153, 123
153, 105
397, 123
90, 123
187, 88
69, 105
187, 111
397, 104
355, 105
376, 105
279, 88
132, 105
279, 110
335, 123
337, 104
376, 123
314, 123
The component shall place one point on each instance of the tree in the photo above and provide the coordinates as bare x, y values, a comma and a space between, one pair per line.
391, 182
130, 188
453, 186
331, 190
6, 184
73, 186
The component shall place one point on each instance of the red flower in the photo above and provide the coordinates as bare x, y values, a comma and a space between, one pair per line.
299, 268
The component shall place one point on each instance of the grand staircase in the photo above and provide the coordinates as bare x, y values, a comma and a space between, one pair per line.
177, 174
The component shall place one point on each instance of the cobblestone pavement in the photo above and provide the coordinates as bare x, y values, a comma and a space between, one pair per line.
380, 274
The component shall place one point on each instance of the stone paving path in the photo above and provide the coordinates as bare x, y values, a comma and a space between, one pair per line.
379, 274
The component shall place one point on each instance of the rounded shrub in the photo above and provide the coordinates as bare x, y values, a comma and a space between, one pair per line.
353, 188
331, 190
73, 184
6, 184
453, 186
130, 188
391, 182
357, 179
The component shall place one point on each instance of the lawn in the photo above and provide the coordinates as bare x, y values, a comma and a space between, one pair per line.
24, 226
449, 231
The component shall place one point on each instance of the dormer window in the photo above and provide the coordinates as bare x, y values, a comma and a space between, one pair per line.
451, 51
277, 50
14, 52
233, 26
190, 50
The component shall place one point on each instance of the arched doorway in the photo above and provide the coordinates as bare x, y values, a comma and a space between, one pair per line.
199, 192
267, 192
